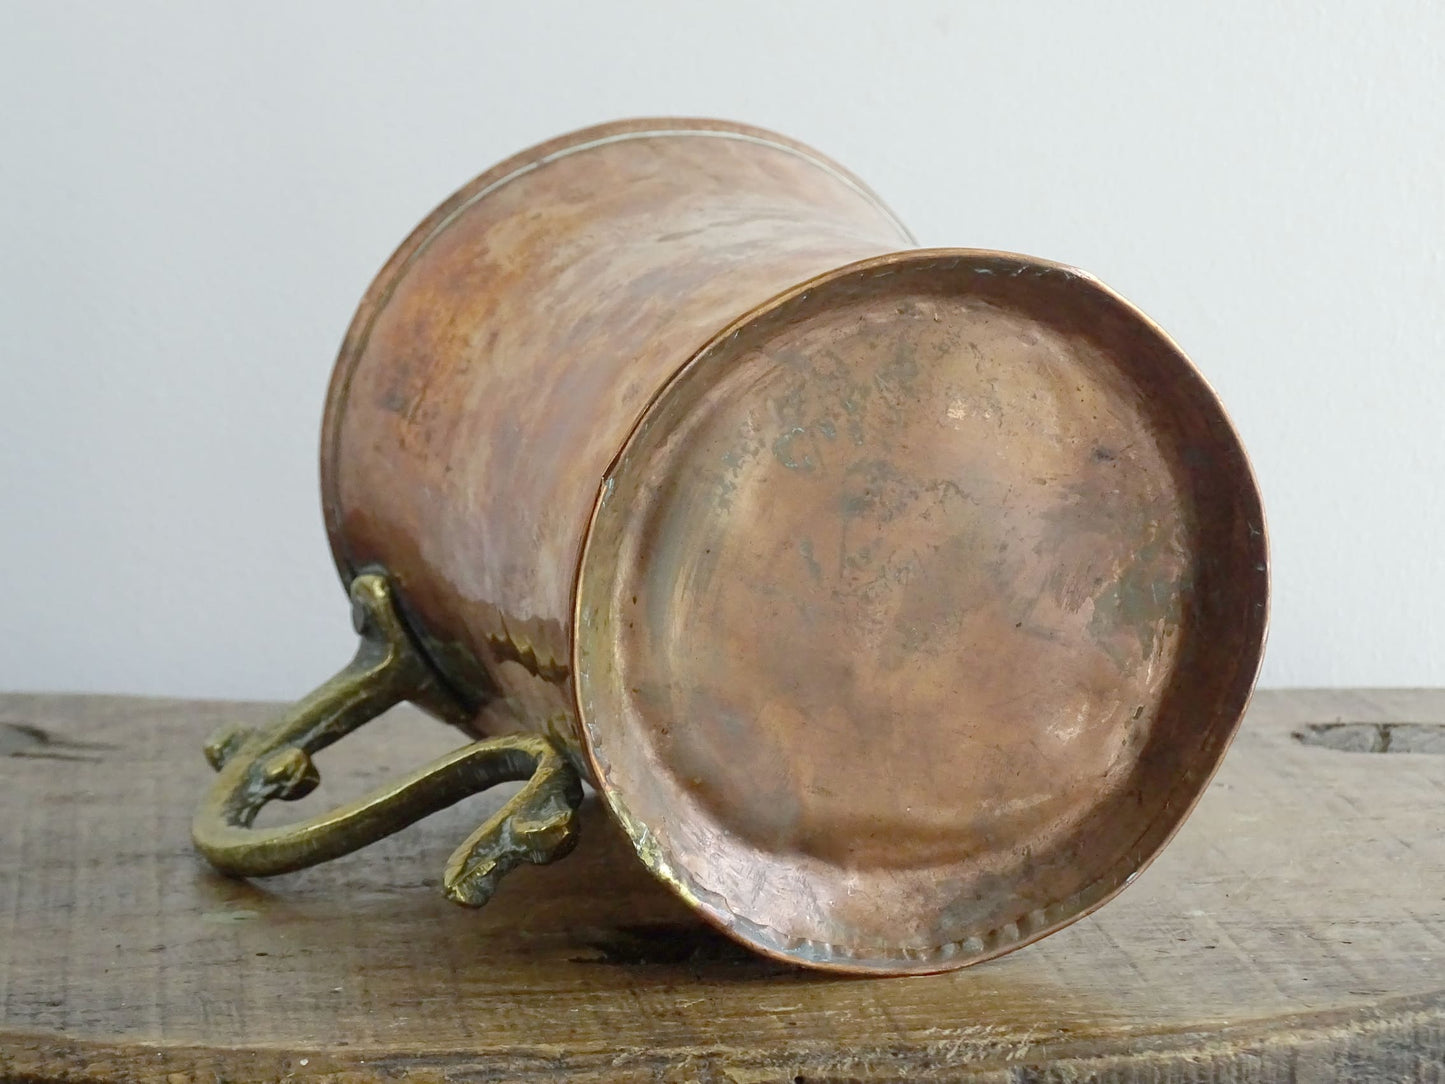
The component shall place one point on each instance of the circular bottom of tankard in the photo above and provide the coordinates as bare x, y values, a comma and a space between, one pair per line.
918, 611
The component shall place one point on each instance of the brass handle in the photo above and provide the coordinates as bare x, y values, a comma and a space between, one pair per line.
256, 766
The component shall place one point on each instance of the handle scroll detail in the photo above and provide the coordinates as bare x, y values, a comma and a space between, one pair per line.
257, 766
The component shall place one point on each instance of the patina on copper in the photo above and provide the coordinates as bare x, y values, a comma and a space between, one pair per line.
900, 603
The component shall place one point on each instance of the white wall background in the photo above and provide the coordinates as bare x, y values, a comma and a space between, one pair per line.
194, 195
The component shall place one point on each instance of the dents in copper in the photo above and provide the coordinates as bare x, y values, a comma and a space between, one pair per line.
899, 603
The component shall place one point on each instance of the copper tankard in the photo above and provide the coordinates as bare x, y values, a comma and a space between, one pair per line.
899, 603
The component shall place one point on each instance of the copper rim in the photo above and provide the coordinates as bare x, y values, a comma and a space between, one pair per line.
1178, 747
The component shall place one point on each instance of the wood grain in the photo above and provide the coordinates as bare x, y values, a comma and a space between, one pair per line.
1295, 930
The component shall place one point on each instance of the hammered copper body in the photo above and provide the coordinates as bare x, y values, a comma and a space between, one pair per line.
900, 604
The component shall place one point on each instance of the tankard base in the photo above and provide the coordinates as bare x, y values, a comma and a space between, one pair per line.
918, 611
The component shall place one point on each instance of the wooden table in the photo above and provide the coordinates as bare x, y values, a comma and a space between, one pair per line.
1295, 930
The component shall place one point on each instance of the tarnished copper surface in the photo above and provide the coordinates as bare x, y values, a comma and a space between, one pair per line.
919, 610
899, 603
500, 359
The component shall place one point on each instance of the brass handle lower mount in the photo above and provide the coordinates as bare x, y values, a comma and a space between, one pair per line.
257, 766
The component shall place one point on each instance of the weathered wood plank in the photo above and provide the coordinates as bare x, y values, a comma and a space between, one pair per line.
1294, 930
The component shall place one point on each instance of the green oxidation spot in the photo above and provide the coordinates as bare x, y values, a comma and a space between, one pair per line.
902, 370
733, 462
790, 404
805, 547
1144, 600
786, 455
854, 410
